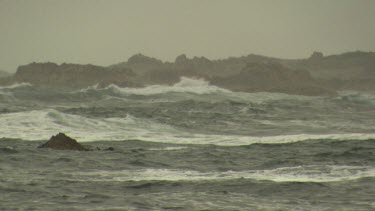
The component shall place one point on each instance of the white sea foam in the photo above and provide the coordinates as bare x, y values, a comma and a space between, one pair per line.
42, 124
16, 85
313, 173
199, 87
6, 94
263, 97
167, 148
186, 85
359, 97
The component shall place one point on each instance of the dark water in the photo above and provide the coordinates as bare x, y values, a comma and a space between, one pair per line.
190, 146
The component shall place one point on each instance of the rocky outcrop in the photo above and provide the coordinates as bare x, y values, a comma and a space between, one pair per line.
142, 59
316, 75
346, 67
316, 56
272, 77
347, 71
72, 75
63, 142
140, 64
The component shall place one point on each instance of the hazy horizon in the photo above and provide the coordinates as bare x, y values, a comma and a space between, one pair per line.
108, 32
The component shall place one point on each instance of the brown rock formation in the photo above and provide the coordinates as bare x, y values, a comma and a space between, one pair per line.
271, 77
62, 142
317, 75
72, 75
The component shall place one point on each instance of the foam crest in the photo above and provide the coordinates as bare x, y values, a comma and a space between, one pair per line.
284, 139
42, 124
194, 86
312, 173
16, 85
181, 137
6, 96
185, 85
357, 97
264, 97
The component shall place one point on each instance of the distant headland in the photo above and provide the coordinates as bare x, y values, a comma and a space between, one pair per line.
316, 75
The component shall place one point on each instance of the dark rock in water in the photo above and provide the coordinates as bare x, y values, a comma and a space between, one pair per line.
62, 142
109, 149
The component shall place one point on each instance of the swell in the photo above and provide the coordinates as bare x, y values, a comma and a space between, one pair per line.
15, 86
314, 173
195, 89
186, 85
41, 124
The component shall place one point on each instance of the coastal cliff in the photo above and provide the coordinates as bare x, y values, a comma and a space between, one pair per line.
316, 75
272, 77
72, 75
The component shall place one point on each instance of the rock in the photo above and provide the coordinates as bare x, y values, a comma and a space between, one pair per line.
109, 149
72, 75
63, 142
142, 59
181, 59
316, 75
316, 56
272, 77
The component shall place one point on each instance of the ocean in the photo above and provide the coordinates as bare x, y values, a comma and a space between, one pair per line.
189, 146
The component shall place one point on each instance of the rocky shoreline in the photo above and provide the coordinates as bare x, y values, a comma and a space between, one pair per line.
317, 75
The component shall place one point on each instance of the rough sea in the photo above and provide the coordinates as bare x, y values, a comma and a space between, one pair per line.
190, 146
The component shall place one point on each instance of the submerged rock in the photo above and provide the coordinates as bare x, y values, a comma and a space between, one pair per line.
62, 142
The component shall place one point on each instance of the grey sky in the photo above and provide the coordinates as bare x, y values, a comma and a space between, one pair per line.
108, 31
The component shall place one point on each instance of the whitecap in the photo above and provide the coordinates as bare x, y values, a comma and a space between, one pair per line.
42, 124
356, 97
311, 173
185, 85
16, 85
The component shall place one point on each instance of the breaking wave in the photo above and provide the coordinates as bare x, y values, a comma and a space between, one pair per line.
189, 88
42, 124
356, 97
186, 85
313, 173
14, 86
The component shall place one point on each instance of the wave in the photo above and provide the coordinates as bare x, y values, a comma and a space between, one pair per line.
185, 85
356, 97
280, 139
42, 124
16, 85
313, 173
6, 92
5, 96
